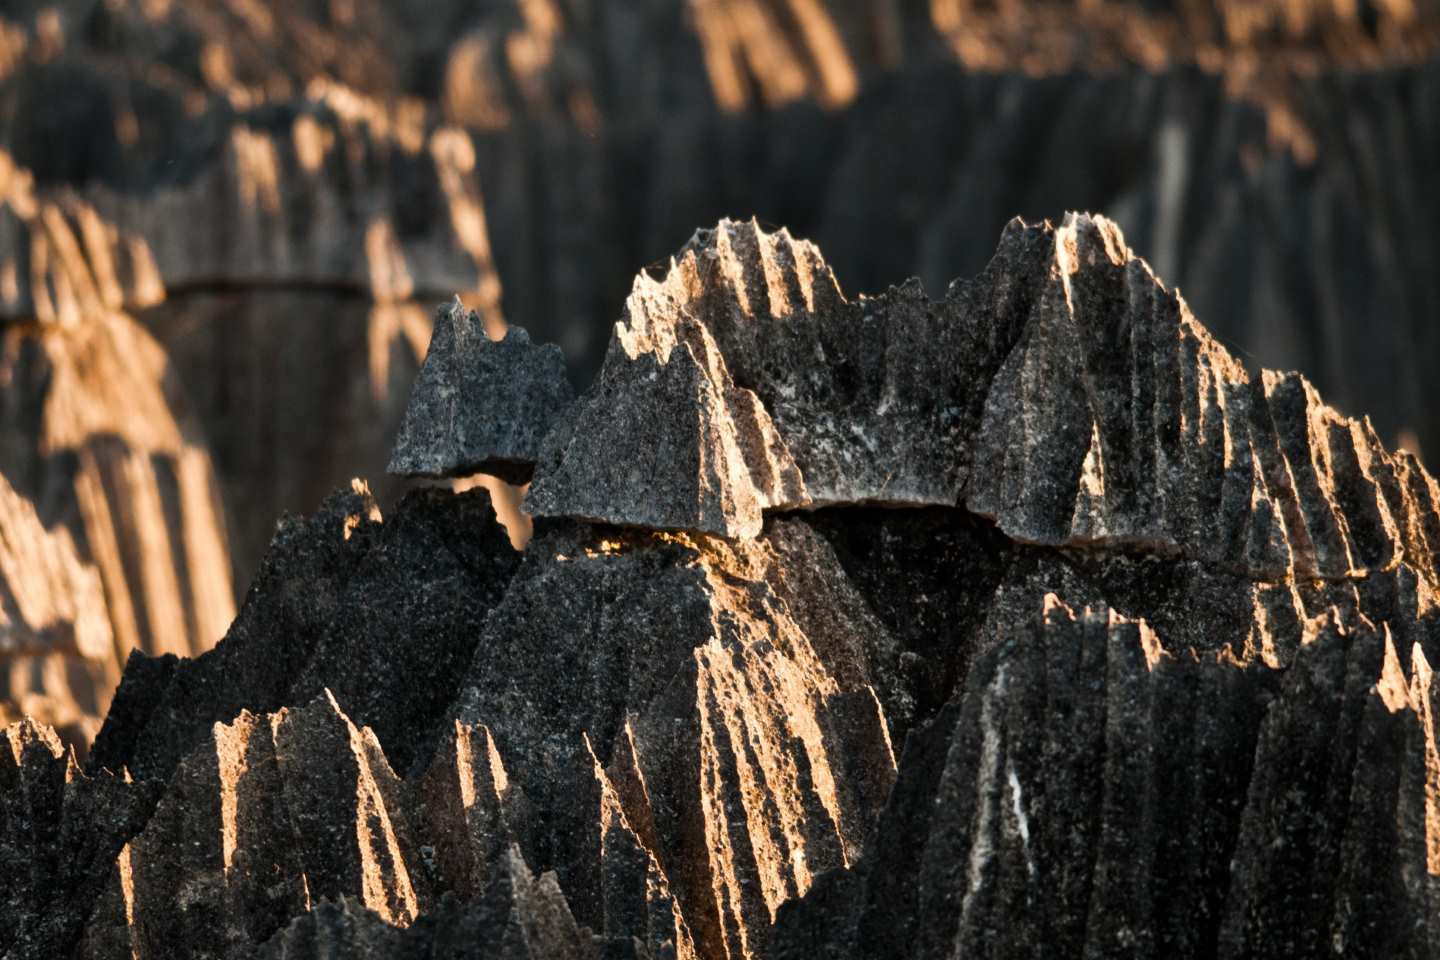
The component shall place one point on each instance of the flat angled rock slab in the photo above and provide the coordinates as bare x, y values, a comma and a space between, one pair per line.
665, 440
480, 405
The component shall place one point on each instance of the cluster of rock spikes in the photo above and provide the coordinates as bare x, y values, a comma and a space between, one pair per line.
1021, 622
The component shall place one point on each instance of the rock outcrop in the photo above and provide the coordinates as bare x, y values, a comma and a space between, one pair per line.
1256, 832
286, 185
1065, 394
1120, 730
60, 834
480, 406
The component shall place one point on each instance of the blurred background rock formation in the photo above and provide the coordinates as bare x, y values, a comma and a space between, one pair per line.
225, 225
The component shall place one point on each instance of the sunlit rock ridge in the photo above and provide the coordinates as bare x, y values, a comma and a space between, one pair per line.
1021, 621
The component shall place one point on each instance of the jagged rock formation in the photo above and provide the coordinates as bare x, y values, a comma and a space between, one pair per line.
1253, 805
1120, 732
1064, 393
1271, 157
60, 831
480, 406
297, 321
761, 645
691, 451
521, 917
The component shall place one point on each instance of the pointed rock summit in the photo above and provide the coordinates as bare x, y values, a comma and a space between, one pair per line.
1065, 393
480, 405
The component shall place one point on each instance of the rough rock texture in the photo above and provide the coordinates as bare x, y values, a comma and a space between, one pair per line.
755, 684
480, 405
301, 317
60, 830
1121, 731
1092, 793
1064, 393
334, 604
695, 679
286, 251
522, 917
665, 439
99, 438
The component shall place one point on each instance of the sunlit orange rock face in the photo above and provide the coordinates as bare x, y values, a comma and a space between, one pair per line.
106, 473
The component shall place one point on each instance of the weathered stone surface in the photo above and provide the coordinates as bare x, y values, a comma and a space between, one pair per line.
340, 597
54, 628
521, 917
595, 139
1125, 731
59, 832
665, 440
600, 138
61, 262
860, 397
1083, 756
165, 707
50, 601
1064, 393
1117, 419
480, 405
98, 437
271, 813
732, 727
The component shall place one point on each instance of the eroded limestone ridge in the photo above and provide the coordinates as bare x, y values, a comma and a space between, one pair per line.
1064, 393
1021, 621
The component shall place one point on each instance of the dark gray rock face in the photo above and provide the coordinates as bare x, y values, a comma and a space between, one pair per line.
521, 917
1196, 775
1150, 636
689, 677
331, 608
60, 832
480, 405
664, 439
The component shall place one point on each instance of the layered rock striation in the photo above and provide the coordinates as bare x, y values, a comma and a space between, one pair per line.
1024, 620
101, 449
